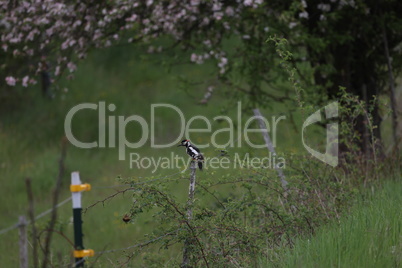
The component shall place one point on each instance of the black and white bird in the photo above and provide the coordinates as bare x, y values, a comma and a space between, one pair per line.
193, 151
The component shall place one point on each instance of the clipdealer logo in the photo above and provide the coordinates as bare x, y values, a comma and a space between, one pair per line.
112, 130
331, 154
115, 126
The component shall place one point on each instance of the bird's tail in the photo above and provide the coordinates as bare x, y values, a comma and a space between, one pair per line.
200, 159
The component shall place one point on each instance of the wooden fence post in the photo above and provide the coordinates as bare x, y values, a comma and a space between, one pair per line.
270, 147
394, 106
53, 215
31, 214
190, 201
23, 242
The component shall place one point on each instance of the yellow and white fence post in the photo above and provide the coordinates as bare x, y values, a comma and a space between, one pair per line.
76, 189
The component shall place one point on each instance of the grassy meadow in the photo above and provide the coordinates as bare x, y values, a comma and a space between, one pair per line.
32, 127
368, 236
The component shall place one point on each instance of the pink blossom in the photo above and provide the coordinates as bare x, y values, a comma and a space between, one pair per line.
15, 40
49, 31
132, 18
193, 57
10, 81
25, 81
223, 62
71, 67
43, 21
303, 15
218, 15
248, 2
324, 7
230, 11
77, 23
81, 25
81, 42
292, 25
64, 45
194, 2
57, 71
87, 27
207, 43
216, 6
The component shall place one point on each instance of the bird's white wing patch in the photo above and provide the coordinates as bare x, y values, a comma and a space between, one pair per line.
193, 150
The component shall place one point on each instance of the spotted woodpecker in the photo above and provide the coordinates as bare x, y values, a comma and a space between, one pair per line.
193, 151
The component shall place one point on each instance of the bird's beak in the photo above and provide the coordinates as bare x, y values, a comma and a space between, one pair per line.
180, 145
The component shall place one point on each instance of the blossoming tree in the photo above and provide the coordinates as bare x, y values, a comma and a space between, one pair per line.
346, 43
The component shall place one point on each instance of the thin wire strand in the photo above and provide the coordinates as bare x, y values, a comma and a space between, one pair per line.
140, 244
138, 183
12, 227
130, 247
51, 209
9, 228
78, 262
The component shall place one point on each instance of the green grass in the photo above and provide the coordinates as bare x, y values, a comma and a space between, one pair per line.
31, 129
370, 235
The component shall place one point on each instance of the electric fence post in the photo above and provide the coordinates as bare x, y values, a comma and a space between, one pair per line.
76, 189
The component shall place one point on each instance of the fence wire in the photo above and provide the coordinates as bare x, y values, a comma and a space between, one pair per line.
100, 253
140, 244
15, 226
138, 183
44, 213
